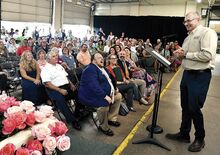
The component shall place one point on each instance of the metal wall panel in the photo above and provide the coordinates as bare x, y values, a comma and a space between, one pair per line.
76, 15
27, 10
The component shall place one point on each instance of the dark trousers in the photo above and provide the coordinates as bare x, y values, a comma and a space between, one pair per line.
193, 88
127, 90
61, 104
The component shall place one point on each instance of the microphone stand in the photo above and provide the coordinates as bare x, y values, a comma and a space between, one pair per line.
154, 128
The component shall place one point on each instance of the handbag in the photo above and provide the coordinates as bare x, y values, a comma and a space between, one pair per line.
123, 110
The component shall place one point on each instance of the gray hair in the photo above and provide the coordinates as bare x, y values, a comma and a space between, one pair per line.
53, 51
195, 14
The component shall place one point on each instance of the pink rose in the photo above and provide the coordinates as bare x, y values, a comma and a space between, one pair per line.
60, 128
30, 119
33, 145
9, 125
20, 118
39, 116
27, 106
47, 110
49, 144
8, 149
4, 106
16, 103
13, 110
12, 101
36, 153
22, 151
41, 132
63, 143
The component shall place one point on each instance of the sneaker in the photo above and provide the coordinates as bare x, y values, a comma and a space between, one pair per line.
131, 109
143, 101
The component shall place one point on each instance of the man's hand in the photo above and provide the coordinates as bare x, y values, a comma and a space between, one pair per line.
72, 87
180, 53
126, 81
108, 99
63, 92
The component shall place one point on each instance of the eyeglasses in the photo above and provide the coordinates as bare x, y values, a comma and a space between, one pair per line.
188, 20
114, 58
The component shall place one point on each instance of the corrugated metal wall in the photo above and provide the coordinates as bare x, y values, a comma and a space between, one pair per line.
76, 15
27, 10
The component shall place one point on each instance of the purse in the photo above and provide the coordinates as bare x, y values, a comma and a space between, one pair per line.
123, 110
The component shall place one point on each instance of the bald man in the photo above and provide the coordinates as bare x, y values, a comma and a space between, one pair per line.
97, 90
198, 54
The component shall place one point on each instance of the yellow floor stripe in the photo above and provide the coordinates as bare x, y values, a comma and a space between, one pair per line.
130, 136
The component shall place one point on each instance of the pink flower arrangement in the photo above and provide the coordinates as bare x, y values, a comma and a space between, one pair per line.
22, 114
53, 136
15, 115
46, 140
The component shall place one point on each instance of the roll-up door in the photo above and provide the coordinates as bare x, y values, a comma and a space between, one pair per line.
76, 14
27, 10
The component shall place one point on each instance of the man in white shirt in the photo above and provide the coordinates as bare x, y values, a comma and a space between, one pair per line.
59, 87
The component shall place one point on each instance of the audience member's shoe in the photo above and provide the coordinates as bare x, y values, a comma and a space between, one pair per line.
131, 109
108, 132
76, 125
178, 137
114, 123
143, 101
196, 146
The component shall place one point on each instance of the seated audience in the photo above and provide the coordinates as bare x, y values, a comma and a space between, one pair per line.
59, 87
125, 87
141, 84
96, 89
140, 73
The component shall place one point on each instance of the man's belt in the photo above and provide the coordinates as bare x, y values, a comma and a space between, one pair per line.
199, 71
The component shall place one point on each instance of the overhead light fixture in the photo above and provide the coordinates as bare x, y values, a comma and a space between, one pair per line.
87, 4
79, 2
198, 1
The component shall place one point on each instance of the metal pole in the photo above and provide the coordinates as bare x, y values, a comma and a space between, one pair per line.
0, 19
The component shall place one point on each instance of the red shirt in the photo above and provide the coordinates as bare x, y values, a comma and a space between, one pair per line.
21, 49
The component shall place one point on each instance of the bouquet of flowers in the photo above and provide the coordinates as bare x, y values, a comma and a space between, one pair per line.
16, 116
46, 140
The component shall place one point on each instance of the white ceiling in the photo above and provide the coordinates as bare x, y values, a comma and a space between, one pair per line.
152, 2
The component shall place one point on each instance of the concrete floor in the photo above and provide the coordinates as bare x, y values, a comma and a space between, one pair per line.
168, 117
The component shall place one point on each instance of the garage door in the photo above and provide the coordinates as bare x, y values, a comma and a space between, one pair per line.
75, 14
27, 10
